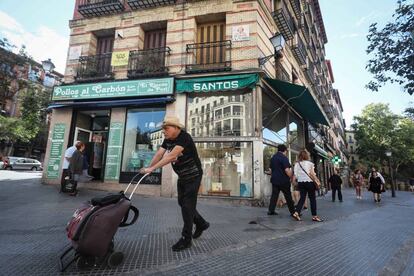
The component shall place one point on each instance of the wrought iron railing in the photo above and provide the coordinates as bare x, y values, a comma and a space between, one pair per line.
96, 67
297, 8
89, 8
299, 50
209, 57
146, 63
142, 4
284, 21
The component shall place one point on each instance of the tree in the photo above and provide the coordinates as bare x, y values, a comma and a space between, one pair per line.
393, 50
377, 130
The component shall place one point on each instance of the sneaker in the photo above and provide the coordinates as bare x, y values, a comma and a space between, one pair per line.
182, 244
199, 230
272, 213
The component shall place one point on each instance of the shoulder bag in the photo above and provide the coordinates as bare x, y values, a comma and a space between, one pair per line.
314, 179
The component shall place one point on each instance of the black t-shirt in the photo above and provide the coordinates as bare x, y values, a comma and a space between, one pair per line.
335, 180
278, 164
188, 164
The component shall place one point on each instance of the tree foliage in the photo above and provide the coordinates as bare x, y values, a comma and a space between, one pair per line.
393, 50
378, 130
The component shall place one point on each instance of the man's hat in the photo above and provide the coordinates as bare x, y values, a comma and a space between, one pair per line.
172, 121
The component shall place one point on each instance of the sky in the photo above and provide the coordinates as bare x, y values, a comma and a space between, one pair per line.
43, 26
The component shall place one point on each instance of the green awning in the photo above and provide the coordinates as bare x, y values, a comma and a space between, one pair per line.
300, 99
216, 83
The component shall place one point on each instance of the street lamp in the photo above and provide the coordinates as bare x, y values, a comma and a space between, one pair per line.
388, 153
48, 65
278, 43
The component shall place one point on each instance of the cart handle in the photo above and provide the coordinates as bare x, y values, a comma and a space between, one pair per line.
136, 186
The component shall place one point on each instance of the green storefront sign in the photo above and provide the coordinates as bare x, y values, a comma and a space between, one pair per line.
114, 152
213, 84
134, 88
56, 148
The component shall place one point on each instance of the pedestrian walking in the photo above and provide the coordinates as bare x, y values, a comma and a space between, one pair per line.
412, 184
65, 167
281, 171
336, 182
373, 169
375, 186
179, 149
76, 166
296, 196
308, 183
358, 181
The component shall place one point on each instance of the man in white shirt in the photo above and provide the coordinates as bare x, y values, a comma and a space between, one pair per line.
65, 172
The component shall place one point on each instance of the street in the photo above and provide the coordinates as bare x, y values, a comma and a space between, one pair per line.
357, 238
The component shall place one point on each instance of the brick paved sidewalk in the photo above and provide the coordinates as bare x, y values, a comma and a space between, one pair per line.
33, 218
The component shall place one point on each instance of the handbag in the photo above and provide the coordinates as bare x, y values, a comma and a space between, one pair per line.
316, 181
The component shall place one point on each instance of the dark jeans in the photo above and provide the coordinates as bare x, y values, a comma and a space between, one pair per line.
275, 195
307, 188
334, 189
187, 199
65, 172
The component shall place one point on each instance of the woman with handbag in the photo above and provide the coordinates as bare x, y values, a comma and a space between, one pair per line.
308, 183
375, 186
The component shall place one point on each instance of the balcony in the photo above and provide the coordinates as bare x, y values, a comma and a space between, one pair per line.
148, 63
94, 68
310, 73
297, 8
89, 8
208, 57
298, 49
284, 21
143, 4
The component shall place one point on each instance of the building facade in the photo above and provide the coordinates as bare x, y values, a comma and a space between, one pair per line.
132, 62
352, 147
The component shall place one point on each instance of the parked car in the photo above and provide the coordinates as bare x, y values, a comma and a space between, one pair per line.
22, 163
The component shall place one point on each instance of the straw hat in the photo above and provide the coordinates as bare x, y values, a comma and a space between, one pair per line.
172, 121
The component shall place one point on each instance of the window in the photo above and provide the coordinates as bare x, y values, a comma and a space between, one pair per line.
227, 168
238, 115
142, 127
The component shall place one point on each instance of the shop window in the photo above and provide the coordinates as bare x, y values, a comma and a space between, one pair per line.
274, 120
227, 111
227, 168
218, 131
232, 118
142, 127
227, 127
296, 135
268, 152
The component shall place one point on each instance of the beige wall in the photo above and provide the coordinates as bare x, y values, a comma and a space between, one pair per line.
64, 116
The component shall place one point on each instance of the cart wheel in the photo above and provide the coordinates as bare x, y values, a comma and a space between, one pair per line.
115, 259
85, 262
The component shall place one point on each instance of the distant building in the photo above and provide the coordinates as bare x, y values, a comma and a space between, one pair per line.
352, 146
16, 72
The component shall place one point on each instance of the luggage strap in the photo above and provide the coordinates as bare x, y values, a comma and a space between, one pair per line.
124, 222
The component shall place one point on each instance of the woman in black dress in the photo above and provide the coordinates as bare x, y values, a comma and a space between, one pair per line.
375, 186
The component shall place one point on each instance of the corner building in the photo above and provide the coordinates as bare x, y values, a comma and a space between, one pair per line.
131, 62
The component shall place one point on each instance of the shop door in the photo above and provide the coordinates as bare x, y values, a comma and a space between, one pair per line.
104, 51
